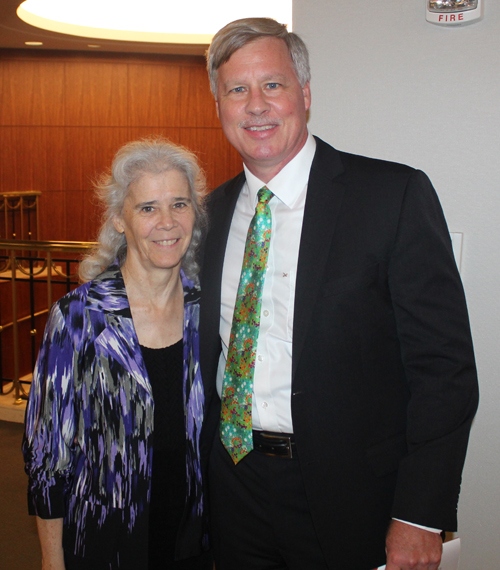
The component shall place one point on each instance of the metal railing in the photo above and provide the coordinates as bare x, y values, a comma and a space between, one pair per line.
33, 264
20, 213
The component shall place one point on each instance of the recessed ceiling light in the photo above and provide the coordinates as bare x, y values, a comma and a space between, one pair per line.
193, 22
34, 43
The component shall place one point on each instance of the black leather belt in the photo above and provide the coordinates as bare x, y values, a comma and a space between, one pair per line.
274, 444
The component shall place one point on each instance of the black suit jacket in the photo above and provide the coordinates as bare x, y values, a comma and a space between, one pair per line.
384, 383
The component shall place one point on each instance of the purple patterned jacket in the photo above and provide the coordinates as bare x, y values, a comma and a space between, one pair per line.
89, 423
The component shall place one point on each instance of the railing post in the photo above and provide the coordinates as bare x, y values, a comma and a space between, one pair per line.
32, 311
49, 279
6, 217
15, 328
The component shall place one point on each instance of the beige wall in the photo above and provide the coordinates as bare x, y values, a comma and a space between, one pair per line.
388, 84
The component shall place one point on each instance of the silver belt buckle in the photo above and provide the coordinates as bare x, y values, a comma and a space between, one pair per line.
288, 444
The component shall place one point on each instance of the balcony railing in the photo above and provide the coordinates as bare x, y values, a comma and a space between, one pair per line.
19, 215
39, 272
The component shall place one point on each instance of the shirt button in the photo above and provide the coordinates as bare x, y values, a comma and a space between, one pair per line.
260, 358
266, 313
264, 405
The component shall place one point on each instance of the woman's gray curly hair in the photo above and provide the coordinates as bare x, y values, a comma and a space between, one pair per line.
133, 160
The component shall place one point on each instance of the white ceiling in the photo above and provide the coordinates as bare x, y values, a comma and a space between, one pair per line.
14, 32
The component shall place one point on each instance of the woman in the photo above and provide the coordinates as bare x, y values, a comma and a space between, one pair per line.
118, 376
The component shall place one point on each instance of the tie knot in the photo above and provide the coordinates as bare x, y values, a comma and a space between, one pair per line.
264, 195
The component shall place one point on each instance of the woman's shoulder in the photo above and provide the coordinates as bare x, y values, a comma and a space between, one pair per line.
103, 291
75, 297
89, 303
66, 315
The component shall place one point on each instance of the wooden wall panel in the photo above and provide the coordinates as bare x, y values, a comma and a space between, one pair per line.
31, 93
45, 157
83, 216
95, 94
197, 106
11, 179
89, 151
170, 133
52, 215
154, 95
29, 158
217, 156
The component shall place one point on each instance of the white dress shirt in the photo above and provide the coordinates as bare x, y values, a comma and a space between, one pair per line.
271, 409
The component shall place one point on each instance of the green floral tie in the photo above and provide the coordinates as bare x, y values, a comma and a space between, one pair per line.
237, 388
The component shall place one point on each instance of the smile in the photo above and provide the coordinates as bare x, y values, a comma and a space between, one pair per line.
261, 128
167, 241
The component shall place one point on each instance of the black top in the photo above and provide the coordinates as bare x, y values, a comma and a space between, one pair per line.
168, 485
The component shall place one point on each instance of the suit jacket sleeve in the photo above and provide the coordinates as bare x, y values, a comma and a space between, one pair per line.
436, 349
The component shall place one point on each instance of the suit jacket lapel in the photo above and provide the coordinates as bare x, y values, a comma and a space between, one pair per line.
323, 202
221, 215
221, 208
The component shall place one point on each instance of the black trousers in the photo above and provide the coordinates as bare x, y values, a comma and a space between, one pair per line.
260, 515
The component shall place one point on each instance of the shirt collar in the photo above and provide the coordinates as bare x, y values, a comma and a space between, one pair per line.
291, 180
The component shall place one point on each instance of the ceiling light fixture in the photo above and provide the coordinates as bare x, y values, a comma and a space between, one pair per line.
159, 21
34, 43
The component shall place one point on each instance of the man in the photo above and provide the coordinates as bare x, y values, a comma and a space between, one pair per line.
347, 404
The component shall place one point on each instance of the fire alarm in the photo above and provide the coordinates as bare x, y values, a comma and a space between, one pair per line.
453, 12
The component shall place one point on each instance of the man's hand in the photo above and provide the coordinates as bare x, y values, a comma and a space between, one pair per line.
412, 548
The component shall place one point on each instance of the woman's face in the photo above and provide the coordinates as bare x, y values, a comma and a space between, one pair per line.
157, 219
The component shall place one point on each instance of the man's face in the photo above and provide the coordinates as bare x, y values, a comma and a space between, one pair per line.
262, 107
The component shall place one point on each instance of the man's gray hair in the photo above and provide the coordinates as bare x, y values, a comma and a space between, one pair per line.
242, 32
131, 162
